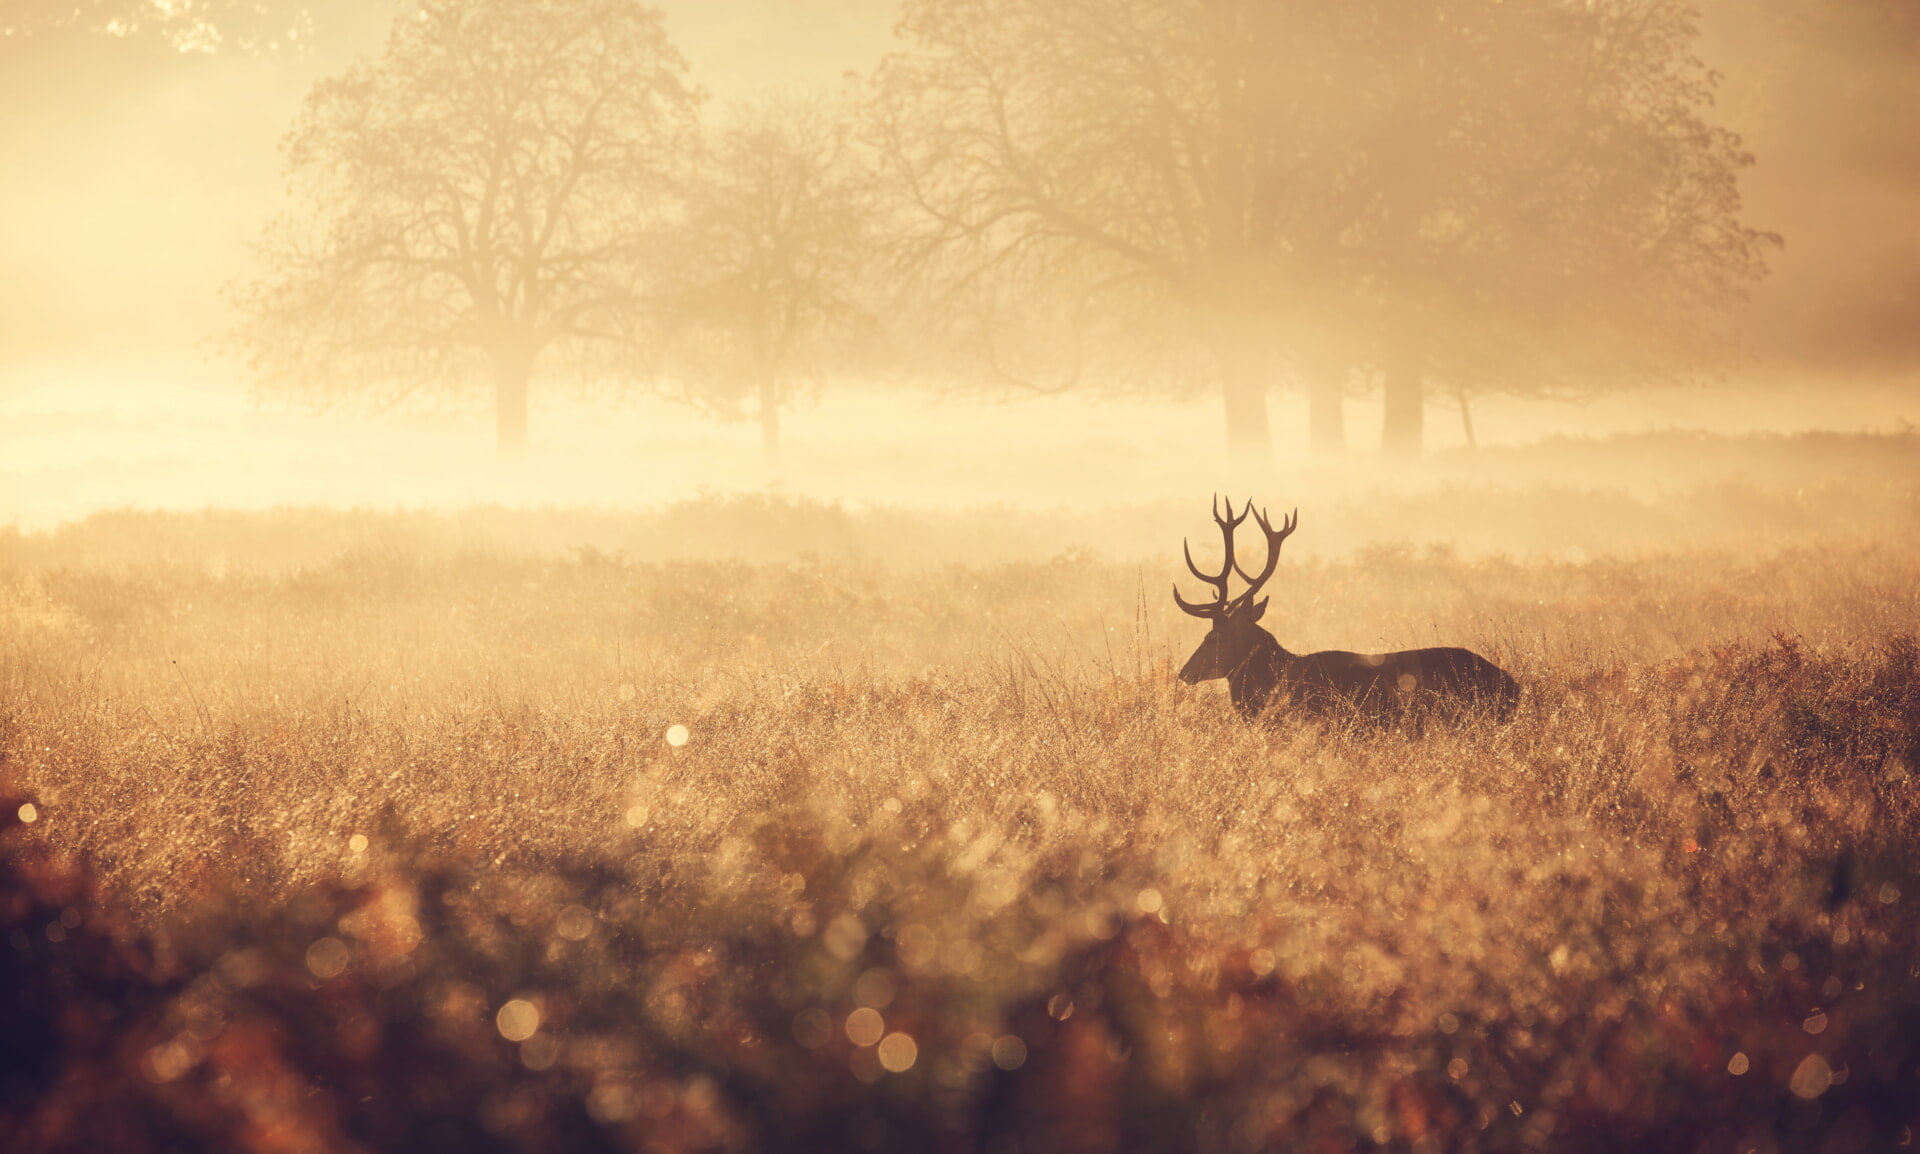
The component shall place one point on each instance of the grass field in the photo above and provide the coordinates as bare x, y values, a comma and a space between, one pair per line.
882, 830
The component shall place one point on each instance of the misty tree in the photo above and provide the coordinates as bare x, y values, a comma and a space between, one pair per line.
766, 288
1493, 193
1543, 207
1093, 172
495, 186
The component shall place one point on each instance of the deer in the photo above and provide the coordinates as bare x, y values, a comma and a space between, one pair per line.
1334, 685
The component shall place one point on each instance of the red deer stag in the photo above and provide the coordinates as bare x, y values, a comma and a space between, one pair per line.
1377, 686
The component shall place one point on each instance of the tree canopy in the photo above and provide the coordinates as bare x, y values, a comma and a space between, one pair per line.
773, 257
494, 186
1495, 190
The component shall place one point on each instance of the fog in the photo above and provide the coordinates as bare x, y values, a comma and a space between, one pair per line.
576, 577
142, 181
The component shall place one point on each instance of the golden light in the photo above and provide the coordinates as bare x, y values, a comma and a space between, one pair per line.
518, 1020
1811, 1078
865, 1026
898, 1052
327, 958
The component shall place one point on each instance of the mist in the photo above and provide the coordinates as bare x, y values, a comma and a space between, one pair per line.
145, 177
959, 575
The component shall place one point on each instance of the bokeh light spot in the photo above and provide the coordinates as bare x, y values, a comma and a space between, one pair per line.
812, 1028
1738, 1064
327, 958
865, 1026
1811, 1078
539, 1052
677, 735
845, 937
29, 813
874, 989
518, 1020
898, 1052
1009, 1052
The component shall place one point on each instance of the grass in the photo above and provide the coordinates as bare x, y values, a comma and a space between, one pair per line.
326, 829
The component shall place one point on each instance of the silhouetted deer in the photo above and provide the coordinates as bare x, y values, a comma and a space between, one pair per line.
1376, 686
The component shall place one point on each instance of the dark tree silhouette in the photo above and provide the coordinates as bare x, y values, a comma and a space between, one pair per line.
493, 187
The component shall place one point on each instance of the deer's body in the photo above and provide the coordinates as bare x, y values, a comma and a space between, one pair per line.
1336, 684
1261, 674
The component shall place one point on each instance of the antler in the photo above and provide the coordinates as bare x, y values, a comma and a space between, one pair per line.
1274, 541
1223, 605
1227, 568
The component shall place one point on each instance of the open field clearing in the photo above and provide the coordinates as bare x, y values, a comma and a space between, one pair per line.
517, 832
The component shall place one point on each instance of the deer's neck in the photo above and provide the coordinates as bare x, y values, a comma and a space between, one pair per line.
1253, 681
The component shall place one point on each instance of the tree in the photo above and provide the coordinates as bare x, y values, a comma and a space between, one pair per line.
1547, 209
1500, 193
776, 243
1096, 163
492, 188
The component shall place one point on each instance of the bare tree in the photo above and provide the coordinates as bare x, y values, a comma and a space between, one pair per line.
493, 187
766, 290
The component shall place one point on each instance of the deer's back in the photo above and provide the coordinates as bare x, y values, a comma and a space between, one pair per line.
1392, 682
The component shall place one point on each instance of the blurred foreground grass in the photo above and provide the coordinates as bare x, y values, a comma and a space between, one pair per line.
383, 845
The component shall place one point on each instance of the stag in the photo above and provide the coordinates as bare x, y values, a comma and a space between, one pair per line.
1334, 684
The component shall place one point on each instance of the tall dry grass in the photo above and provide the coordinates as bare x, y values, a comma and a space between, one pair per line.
1671, 906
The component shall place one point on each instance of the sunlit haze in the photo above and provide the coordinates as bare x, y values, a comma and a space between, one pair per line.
959, 576
140, 181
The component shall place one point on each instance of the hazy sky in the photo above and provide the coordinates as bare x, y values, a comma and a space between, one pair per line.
137, 178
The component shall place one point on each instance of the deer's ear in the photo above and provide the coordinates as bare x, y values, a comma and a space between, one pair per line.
1260, 609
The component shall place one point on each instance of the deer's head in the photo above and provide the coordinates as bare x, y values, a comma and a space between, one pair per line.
1236, 634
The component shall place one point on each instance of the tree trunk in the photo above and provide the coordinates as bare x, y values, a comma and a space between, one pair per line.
512, 370
1406, 408
1326, 411
1249, 433
1466, 419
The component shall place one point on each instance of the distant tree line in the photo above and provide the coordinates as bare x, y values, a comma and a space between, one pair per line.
1456, 198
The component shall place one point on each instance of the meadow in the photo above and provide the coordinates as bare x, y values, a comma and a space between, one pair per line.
756, 824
